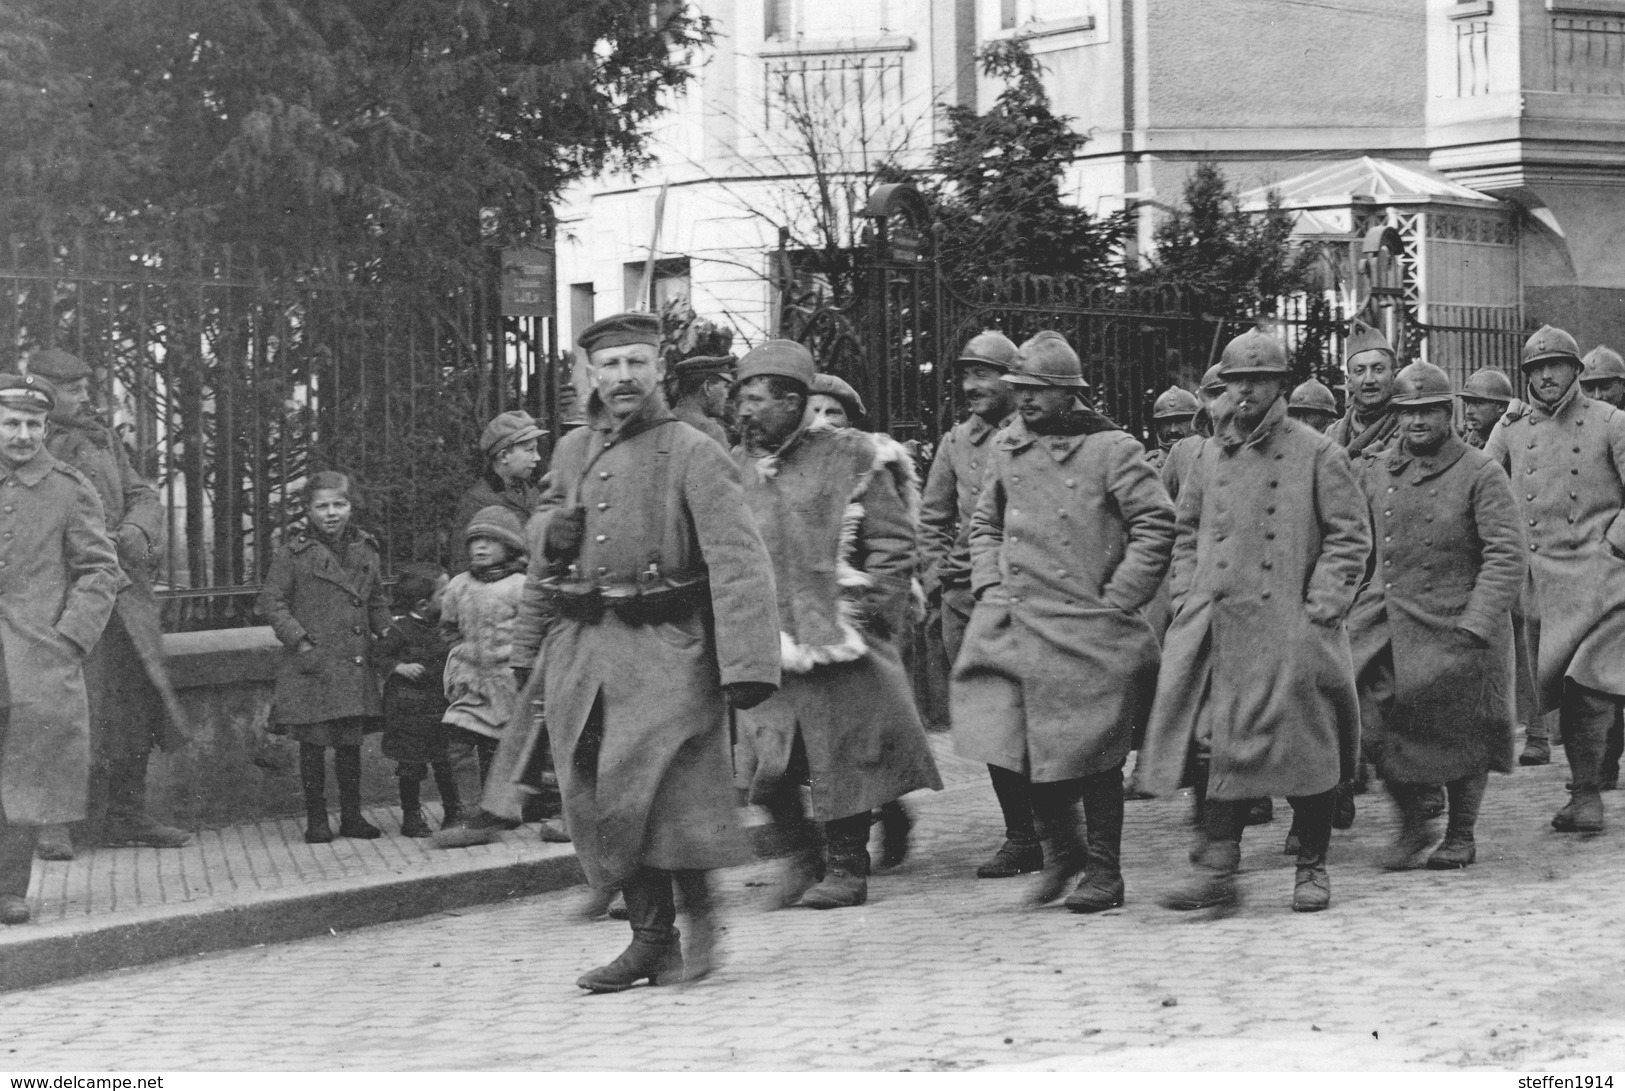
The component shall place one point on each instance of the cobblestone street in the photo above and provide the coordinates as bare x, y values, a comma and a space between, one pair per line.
1514, 962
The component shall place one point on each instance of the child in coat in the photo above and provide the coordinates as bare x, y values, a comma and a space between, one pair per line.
412, 657
478, 611
324, 597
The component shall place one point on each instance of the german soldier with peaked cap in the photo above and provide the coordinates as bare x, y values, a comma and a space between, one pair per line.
1370, 364
132, 705
1069, 543
61, 577
1432, 631
702, 391
1256, 679
951, 492
834, 509
1566, 459
649, 603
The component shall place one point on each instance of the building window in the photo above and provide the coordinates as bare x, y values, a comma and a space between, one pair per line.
1007, 14
581, 309
670, 285
775, 19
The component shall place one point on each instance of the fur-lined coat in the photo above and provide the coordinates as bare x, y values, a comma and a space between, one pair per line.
838, 511
1069, 544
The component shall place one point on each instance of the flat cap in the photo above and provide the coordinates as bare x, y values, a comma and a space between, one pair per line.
27, 392
57, 365
991, 348
507, 429
1045, 359
1253, 353
695, 366
632, 328
838, 388
788, 359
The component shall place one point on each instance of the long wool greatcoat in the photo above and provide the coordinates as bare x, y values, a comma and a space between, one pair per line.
58, 578
1567, 466
951, 490
93, 449
1273, 539
635, 713
1450, 557
338, 604
1176, 466
1070, 540
834, 513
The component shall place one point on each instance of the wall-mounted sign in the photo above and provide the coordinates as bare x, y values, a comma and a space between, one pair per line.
529, 281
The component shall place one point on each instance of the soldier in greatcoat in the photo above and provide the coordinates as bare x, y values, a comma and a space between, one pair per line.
1183, 453
1565, 455
1273, 540
951, 490
133, 706
1432, 630
702, 394
1603, 377
1484, 397
59, 575
842, 543
1313, 403
1070, 541
1173, 416
648, 606
1369, 364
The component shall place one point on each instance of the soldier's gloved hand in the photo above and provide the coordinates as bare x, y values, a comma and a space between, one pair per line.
564, 532
521, 675
134, 550
744, 695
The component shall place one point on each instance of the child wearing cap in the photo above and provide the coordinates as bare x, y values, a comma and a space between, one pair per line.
510, 455
412, 659
478, 611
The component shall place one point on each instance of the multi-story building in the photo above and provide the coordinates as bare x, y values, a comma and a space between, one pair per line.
1491, 133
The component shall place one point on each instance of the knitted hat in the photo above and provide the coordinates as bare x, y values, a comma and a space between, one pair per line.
496, 521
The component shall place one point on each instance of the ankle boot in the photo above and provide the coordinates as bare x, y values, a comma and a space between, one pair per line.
1311, 886
1415, 829
451, 801
347, 768
1585, 741
655, 952
412, 821
313, 778
895, 826
1198, 779
797, 839
1055, 811
1213, 882
1021, 852
700, 955
846, 881
1458, 849
1102, 885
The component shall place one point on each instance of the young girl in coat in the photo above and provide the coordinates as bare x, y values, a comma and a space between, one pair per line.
412, 658
478, 611
324, 597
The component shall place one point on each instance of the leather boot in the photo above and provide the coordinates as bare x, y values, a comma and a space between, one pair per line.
413, 823
1415, 828
347, 769
1022, 851
799, 840
1458, 849
313, 778
1311, 886
846, 881
1055, 812
1102, 885
656, 952
1198, 778
1213, 883
1536, 751
1343, 806
895, 826
1608, 774
1585, 737
54, 843
700, 955
451, 800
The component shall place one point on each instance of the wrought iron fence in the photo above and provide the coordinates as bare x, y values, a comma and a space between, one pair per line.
229, 387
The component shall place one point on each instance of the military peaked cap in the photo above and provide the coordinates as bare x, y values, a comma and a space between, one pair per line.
633, 328
696, 366
27, 392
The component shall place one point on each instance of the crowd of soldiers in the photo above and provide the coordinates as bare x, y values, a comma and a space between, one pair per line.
1275, 601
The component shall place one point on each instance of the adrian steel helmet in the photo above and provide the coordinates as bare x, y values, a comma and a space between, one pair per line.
1550, 343
990, 347
1045, 359
1601, 364
1313, 396
1211, 383
1176, 401
1253, 353
1488, 384
1421, 384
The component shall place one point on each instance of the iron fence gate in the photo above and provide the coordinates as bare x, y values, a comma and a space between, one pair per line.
229, 387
